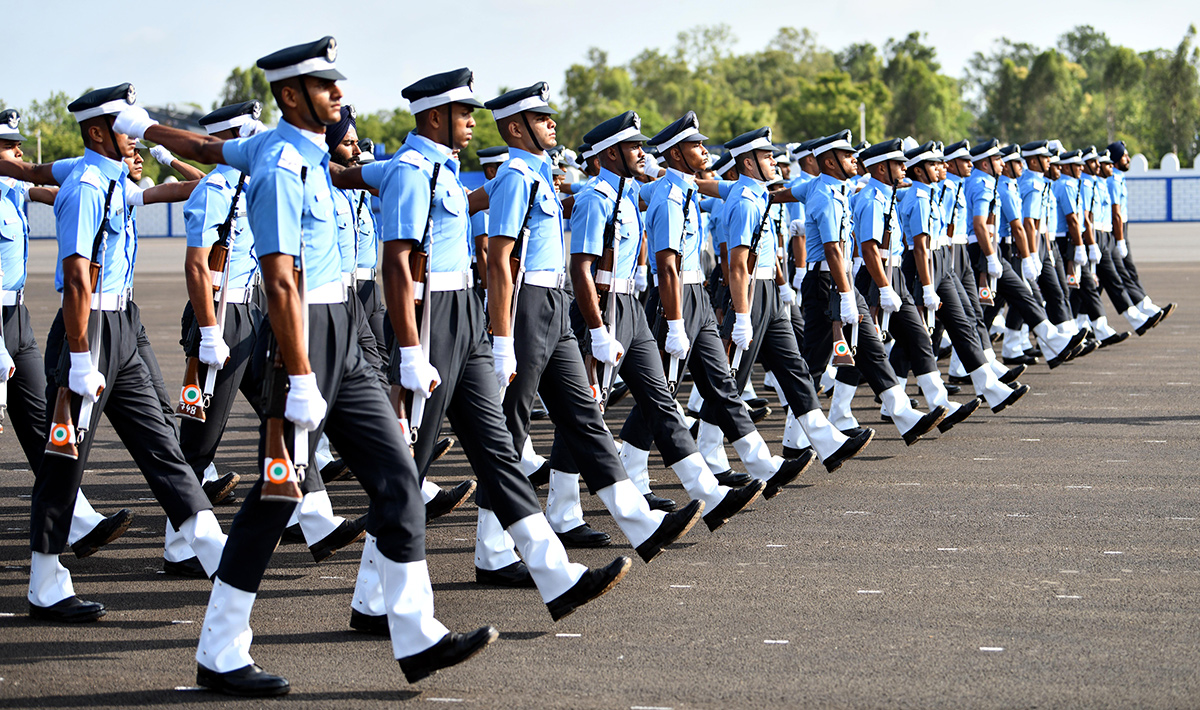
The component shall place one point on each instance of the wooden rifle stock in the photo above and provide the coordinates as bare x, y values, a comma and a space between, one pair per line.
62, 428
279, 480
191, 398
218, 260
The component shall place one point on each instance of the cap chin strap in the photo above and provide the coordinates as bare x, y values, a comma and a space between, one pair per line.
312, 111
625, 162
842, 169
113, 137
536, 143
687, 164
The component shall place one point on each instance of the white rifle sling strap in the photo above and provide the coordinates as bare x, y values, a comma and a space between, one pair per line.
609, 317
673, 364
519, 278
417, 412
299, 433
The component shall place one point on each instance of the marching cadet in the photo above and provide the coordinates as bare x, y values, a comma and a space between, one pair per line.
449, 367
1017, 248
1034, 190
877, 230
94, 342
291, 214
757, 321
21, 366
829, 295
215, 215
980, 190
941, 292
606, 235
1115, 169
1074, 237
536, 467
1110, 279
534, 347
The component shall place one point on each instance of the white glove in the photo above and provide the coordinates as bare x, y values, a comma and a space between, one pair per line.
504, 359
162, 155
849, 308
305, 406
1080, 254
1094, 253
932, 302
416, 374
640, 277
605, 348
796, 281
85, 380
133, 122
1122, 249
677, 344
993, 265
786, 294
796, 228
1029, 267
251, 128
889, 300
213, 350
7, 366
743, 332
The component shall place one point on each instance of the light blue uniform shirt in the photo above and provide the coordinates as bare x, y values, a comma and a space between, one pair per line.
343, 217
980, 190
1032, 188
79, 211
1009, 198
870, 212
917, 213
593, 211
745, 208
828, 218
14, 233
665, 223
508, 196
368, 242
206, 210
1067, 198
1118, 192
283, 210
795, 210
956, 208
403, 184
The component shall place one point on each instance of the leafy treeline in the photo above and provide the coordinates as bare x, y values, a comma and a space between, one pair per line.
1084, 90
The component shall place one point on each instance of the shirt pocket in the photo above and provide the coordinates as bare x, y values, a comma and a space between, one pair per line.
454, 204
547, 204
321, 206
11, 227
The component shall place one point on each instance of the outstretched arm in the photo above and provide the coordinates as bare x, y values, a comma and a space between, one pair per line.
40, 174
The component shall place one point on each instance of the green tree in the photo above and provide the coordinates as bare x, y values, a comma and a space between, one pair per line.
830, 104
925, 103
247, 85
59, 130
1174, 98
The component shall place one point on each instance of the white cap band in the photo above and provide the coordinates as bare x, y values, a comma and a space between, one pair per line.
108, 107
523, 105
234, 122
308, 66
614, 139
458, 93
678, 138
503, 157
756, 144
839, 144
894, 155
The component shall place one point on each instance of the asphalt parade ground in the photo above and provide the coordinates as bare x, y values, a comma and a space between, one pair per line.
1048, 556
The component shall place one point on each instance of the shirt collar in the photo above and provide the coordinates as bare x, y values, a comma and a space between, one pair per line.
755, 185
537, 162
827, 179
109, 168
881, 186
980, 175
315, 152
435, 152
682, 178
922, 186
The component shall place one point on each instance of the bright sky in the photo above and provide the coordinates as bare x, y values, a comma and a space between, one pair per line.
177, 55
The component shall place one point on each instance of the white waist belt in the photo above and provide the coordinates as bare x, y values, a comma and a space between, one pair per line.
444, 281
546, 279
332, 292
364, 274
692, 276
819, 266
956, 239
106, 301
348, 279
764, 272
12, 298
620, 286
236, 295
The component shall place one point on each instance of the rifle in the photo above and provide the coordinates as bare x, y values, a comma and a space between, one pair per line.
985, 283
421, 259
64, 434
3, 403
516, 264
673, 362
843, 352
602, 383
751, 266
884, 314
281, 474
